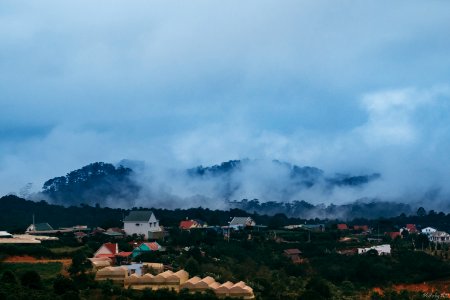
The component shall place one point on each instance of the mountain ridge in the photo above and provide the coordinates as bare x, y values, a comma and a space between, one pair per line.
121, 186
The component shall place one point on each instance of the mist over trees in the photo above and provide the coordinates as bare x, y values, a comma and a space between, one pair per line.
133, 183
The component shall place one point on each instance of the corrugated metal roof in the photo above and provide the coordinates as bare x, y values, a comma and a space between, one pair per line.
42, 227
239, 220
138, 216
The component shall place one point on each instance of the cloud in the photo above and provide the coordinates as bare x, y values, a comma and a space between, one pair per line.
346, 87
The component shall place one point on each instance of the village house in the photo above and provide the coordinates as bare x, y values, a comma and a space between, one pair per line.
108, 250
5, 235
294, 255
439, 237
342, 227
428, 230
79, 235
175, 281
381, 249
111, 253
241, 222
114, 232
39, 228
123, 257
100, 263
189, 224
146, 247
142, 222
411, 228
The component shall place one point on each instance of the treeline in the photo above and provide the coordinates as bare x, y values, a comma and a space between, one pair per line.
369, 209
17, 213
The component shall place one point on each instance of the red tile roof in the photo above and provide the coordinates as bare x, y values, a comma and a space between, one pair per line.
104, 255
152, 246
342, 226
124, 254
112, 247
411, 227
187, 224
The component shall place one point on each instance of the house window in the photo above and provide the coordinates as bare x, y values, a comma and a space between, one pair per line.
137, 224
154, 224
150, 224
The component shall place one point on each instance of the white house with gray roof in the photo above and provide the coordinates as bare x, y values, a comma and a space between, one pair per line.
241, 222
141, 222
439, 237
39, 227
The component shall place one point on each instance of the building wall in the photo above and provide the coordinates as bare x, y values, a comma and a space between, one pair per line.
140, 228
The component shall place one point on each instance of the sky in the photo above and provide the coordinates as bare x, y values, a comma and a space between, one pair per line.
346, 86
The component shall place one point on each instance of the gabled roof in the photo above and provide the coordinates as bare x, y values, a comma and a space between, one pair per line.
154, 246
187, 224
292, 252
200, 222
138, 216
411, 227
240, 221
42, 227
112, 247
440, 234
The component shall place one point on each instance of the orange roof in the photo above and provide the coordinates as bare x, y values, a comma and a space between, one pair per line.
152, 246
104, 255
112, 247
124, 254
187, 224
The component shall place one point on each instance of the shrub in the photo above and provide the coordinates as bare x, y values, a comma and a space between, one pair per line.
32, 280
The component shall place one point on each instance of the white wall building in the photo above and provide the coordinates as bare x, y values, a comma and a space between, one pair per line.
381, 249
241, 222
141, 222
439, 237
428, 230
